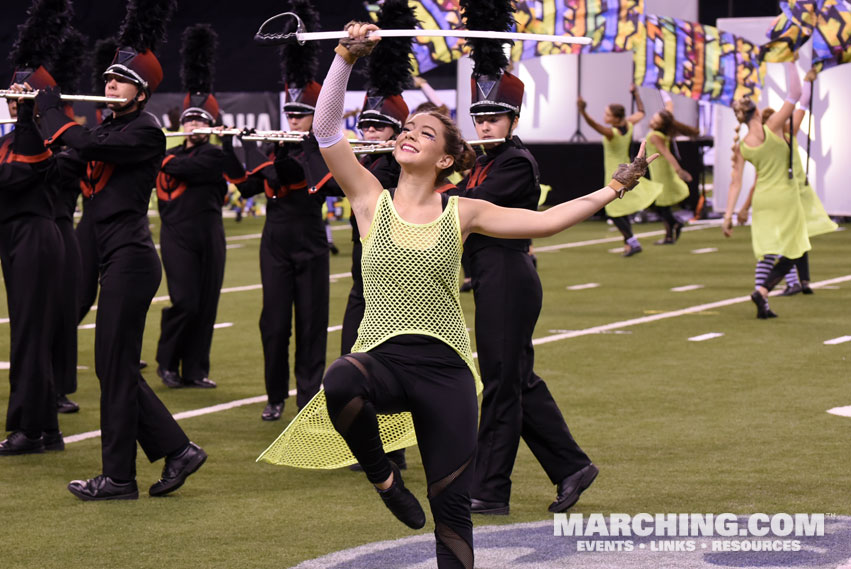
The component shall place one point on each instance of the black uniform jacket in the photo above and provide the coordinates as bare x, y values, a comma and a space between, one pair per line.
192, 182
123, 156
24, 164
295, 186
506, 175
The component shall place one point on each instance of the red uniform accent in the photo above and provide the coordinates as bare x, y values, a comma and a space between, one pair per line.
96, 178
7, 156
169, 187
478, 175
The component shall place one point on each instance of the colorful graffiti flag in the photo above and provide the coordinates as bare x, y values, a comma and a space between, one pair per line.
612, 26
832, 34
790, 30
696, 61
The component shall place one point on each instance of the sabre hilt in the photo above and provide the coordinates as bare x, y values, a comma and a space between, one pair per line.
270, 39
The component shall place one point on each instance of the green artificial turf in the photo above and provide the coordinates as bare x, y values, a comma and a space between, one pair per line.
733, 424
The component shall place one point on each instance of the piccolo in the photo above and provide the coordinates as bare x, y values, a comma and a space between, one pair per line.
207, 130
276, 136
8, 121
300, 35
90, 98
384, 149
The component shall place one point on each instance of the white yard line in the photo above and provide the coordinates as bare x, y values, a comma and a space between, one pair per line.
704, 250
583, 286
545, 340
839, 340
841, 411
707, 336
687, 288
619, 239
222, 325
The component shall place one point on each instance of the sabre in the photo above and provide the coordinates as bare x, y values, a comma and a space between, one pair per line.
90, 98
385, 149
301, 36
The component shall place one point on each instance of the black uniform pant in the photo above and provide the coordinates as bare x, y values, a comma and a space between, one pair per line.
67, 312
31, 256
89, 266
623, 225
129, 409
426, 377
288, 282
516, 403
193, 256
355, 306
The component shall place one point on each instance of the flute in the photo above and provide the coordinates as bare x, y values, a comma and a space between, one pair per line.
208, 130
90, 98
384, 149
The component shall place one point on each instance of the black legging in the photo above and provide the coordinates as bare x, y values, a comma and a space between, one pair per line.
426, 377
624, 226
668, 218
779, 270
803, 265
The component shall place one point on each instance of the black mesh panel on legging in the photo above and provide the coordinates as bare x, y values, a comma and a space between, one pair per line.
623, 225
436, 488
778, 271
460, 549
803, 266
346, 392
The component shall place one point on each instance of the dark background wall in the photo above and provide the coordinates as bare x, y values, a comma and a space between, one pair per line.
243, 66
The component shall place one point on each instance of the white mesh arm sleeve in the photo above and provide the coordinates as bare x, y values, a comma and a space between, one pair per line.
793, 83
328, 119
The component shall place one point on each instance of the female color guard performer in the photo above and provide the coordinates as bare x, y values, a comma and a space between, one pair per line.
191, 189
413, 351
818, 222
617, 137
668, 172
778, 226
123, 156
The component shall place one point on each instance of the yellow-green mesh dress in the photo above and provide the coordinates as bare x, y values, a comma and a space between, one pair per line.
674, 189
616, 152
778, 225
818, 222
411, 286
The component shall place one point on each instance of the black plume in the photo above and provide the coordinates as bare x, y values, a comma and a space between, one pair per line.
390, 63
104, 53
492, 15
299, 62
36, 44
69, 61
199, 58
144, 26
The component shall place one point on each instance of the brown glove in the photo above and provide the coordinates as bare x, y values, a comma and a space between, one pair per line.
352, 49
628, 175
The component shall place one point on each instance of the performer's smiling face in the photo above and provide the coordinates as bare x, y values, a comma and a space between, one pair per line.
421, 143
494, 126
300, 122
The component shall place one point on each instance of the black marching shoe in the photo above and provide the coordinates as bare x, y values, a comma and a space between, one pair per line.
805, 288
53, 440
488, 508
792, 290
401, 502
678, 228
571, 487
143, 364
763, 311
170, 378
19, 443
203, 383
665, 241
102, 487
273, 411
65, 405
178, 468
